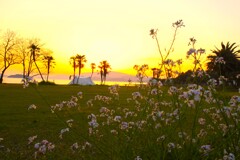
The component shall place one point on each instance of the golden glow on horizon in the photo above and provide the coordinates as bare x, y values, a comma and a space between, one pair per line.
118, 31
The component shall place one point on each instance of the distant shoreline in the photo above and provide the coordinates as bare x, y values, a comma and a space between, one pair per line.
15, 80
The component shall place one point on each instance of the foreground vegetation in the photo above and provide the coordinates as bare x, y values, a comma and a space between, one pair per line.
112, 122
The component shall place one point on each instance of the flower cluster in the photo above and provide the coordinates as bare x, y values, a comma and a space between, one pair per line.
194, 52
26, 81
219, 60
73, 102
181, 120
114, 91
42, 147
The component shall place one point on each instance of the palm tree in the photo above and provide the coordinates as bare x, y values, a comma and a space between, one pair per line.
101, 72
104, 70
225, 61
80, 59
74, 65
49, 62
34, 48
93, 66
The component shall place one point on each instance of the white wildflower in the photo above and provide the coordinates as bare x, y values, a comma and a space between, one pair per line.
136, 95
43, 147
31, 139
74, 147
37, 145
201, 121
104, 110
63, 131
124, 125
117, 118
172, 90
138, 158
191, 51
90, 103
70, 122
80, 95
205, 149
170, 146
154, 91
113, 131
93, 123
32, 106
229, 156
219, 60
86, 144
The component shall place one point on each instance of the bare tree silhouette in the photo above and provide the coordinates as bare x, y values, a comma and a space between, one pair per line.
8, 56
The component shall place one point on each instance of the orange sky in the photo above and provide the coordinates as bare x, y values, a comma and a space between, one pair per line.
118, 31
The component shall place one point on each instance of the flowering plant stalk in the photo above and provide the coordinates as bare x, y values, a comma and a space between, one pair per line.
153, 32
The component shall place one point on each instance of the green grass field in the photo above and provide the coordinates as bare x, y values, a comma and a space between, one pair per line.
17, 123
152, 125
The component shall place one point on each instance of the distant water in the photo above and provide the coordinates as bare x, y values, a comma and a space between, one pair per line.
66, 81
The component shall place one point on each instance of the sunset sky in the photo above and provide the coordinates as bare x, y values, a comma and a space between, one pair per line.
118, 31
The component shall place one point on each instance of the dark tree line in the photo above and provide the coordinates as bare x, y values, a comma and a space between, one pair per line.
78, 62
224, 61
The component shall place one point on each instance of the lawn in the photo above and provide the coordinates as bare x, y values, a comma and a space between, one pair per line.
17, 123
102, 122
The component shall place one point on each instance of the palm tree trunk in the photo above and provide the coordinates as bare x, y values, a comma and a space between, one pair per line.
101, 77
74, 71
78, 75
48, 68
24, 70
39, 71
48, 73
92, 74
